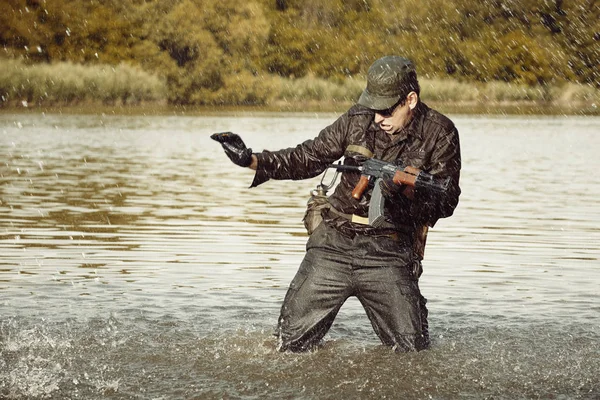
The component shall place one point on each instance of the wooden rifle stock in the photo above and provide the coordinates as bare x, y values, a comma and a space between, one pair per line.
360, 187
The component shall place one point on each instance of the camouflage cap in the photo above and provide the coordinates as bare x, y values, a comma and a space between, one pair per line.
386, 82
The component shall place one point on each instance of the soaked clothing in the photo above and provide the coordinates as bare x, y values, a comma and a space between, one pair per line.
336, 267
430, 142
377, 265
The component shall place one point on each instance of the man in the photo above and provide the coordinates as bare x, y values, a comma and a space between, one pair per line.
345, 256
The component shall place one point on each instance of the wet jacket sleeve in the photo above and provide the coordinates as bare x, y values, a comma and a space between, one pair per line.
306, 160
428, 207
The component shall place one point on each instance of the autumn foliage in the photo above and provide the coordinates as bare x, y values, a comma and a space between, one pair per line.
232, 52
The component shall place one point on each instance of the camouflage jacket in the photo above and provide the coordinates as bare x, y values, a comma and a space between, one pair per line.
429, 142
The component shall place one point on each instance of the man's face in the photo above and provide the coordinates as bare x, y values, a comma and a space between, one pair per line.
394, 120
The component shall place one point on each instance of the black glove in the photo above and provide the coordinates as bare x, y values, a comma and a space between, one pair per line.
234, 148
390, 189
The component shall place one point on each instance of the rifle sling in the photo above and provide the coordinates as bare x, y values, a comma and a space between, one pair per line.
355, 148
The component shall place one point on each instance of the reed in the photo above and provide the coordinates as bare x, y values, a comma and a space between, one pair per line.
312, 89
452, 91
66, 83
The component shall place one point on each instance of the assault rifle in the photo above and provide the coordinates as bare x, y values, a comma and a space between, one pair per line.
401, 175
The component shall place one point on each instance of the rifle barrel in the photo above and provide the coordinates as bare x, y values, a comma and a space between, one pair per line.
347, 168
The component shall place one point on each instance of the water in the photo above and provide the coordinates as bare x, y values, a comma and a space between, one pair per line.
136, 264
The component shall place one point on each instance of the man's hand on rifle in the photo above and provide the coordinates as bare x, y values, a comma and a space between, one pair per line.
390, 189
234, 148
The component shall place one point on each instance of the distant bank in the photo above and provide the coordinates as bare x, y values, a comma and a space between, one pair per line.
125, 89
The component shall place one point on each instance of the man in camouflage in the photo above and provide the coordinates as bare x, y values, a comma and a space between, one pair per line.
344, 255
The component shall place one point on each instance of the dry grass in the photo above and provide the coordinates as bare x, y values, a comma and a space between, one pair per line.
68, 83
439, 91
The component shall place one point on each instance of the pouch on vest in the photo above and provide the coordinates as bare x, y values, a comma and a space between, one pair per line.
314, 209
317, 203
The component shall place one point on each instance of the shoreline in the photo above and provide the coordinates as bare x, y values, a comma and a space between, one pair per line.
99, 89
161, 108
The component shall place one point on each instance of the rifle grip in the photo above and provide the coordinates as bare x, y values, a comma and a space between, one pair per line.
360, 187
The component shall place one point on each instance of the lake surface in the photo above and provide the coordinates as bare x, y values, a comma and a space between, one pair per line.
135, 263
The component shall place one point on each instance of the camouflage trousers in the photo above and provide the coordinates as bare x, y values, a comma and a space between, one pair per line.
381, 272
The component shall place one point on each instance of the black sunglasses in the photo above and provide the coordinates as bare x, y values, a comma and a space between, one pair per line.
389, 111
